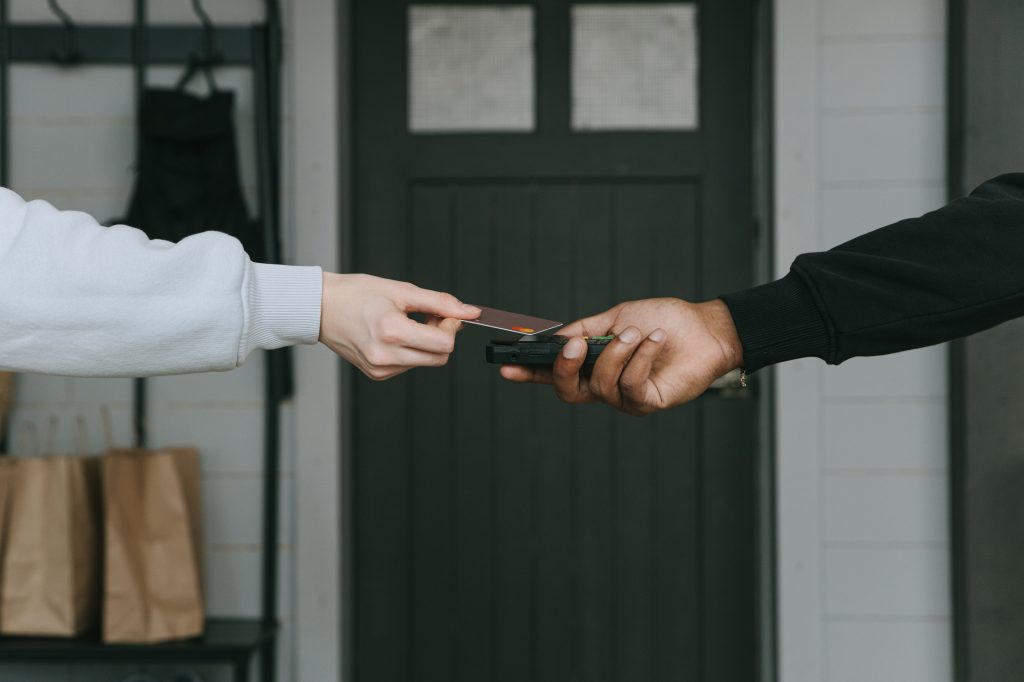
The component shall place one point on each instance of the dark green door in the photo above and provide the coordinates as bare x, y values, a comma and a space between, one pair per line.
554, 158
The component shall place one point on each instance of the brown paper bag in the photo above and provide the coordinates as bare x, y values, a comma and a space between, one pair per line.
153, 578
51, 579
6, 398
6, 487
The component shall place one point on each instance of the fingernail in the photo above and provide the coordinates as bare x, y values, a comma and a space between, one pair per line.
471, 308
658, 335
573, 349
629, 336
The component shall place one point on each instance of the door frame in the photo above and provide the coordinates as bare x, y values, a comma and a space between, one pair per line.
972, 530
764, 271
956, 117
315, 201
762, 263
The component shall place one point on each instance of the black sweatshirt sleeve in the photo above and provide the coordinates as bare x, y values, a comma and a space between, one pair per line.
945, 275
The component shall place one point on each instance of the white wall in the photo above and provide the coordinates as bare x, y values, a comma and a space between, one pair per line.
862, 523
863, 570
317, 94
73, 144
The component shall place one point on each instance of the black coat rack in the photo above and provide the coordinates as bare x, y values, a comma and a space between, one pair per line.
232, 642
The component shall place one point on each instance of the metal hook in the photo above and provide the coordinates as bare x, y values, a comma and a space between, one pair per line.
69, 54
210, 54
273, 12
208, 57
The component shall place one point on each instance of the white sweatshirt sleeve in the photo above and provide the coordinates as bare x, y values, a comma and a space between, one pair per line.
80, 299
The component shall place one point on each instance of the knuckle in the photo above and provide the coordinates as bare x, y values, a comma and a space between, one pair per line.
388, 332
566, 390
441, 302
631, 406
569, 397
380, 326
638, 409
599, 387
376, 357
388, 337
562, 373
628, 385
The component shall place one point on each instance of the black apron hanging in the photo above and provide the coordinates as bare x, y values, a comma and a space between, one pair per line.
188, 180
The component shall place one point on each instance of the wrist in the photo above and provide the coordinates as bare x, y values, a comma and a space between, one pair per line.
723, 328
337, 290
779, 321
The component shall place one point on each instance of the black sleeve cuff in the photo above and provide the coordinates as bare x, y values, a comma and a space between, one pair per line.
778, 321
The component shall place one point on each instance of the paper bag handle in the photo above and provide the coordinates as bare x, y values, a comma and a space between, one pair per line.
50, 445
81, 435
108, 426
29, 434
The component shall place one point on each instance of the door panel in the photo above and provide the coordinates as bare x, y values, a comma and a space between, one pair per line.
501, 535
513, 497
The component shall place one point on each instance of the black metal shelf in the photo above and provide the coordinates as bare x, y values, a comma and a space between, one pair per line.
226, 641
35, 44
231, 640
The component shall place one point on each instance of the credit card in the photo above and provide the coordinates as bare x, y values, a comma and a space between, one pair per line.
513, 322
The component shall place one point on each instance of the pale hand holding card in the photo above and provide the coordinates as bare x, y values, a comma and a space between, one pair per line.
513, 322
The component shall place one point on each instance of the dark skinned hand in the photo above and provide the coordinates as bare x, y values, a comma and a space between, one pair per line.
666, 352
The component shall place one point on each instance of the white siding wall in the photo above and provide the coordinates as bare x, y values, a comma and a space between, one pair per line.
863, 562
73, 144
863, 569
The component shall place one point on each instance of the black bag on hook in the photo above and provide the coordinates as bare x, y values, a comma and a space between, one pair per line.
188, 179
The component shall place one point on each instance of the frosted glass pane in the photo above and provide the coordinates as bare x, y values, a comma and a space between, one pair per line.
470, 68
634, 66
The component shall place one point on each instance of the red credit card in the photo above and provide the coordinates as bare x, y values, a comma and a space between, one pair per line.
513, 322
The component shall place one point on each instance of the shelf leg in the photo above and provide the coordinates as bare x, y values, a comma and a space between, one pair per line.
268, 661
241, 669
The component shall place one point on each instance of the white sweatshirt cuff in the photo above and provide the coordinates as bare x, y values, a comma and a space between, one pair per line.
283, 307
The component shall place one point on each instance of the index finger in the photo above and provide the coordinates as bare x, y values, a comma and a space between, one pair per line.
595, 325
524, 374
439, 303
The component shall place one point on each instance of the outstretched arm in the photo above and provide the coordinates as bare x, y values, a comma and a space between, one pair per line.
77, 298
948, 274
918, 282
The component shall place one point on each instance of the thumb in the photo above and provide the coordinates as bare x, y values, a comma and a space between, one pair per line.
438, 303
450, 326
